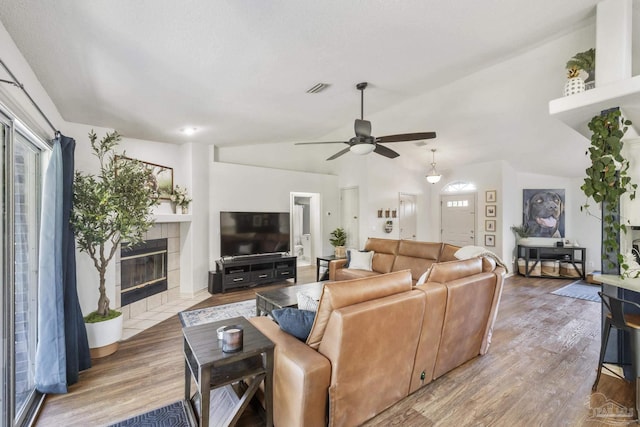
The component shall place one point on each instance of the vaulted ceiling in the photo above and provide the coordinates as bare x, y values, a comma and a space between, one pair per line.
238, 71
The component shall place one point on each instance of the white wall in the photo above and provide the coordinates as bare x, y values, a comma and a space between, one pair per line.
250, 188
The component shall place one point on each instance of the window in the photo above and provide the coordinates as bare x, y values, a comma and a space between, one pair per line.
459, 187
20, 202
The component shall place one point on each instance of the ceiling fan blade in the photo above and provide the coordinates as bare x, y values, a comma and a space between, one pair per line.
324, 142
339, 153
406, 137
362, 127
387, 152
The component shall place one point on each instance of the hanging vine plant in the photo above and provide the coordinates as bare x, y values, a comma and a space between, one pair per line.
607, 179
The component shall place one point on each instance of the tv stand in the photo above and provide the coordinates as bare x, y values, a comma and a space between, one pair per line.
254, 270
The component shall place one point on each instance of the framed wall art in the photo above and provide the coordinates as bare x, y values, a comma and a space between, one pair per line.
491, 196
162, 177
489, 240
490, 224
543, 212
490, 210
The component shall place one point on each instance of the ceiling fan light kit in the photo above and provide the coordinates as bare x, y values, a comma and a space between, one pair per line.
433, 176
364, 142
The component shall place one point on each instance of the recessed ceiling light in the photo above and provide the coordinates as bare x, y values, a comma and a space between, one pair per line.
188, 130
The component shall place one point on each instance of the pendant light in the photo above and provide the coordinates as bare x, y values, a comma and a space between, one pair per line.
433, 176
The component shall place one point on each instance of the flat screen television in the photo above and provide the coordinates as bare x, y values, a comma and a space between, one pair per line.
253, 233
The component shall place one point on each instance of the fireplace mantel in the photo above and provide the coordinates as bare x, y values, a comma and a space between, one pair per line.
161, 218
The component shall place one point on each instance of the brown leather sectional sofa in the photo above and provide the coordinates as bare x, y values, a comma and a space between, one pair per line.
396, 255
378, 339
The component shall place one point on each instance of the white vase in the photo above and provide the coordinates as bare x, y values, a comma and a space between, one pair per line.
184, 210
573, 85
104, 337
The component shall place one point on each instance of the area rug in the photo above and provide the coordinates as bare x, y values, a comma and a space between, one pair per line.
220, 312
172, 415
580, 290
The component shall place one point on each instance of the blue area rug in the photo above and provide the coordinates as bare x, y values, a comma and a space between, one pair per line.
580, 290
220, 312
173, 415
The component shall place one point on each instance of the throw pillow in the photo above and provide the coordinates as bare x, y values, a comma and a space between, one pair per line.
361, 260
467, 252
306, 302
295, 322
424, 277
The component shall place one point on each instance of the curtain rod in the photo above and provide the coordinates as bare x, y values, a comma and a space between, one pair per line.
17, 84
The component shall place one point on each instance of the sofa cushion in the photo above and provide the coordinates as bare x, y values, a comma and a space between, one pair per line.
294, 321
360, 260
341, 294
416, 256
448, 252
350, 274
307, 302
444, 272
385, 251
423, 278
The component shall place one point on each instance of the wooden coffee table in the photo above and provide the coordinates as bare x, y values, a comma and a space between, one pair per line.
284, 297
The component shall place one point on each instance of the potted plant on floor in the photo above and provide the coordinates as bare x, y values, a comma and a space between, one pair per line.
338, 240
109, 207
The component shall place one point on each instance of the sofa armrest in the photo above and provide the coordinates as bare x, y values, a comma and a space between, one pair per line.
301, 378
335, 265
500, 273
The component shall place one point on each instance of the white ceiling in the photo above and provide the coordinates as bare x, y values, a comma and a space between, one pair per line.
238, 70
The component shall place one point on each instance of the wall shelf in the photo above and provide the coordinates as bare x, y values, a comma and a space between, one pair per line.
577, 110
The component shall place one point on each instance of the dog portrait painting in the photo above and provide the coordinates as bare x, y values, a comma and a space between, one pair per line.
543, 212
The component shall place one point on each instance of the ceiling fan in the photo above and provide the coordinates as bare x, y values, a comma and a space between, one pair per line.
364, 142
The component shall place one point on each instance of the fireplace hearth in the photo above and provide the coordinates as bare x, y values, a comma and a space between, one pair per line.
143, 270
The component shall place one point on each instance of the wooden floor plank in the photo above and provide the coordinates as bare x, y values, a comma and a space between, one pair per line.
539, 371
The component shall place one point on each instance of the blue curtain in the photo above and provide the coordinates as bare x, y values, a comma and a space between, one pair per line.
62, 350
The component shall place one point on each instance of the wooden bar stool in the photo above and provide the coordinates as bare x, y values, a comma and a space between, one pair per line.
617, 318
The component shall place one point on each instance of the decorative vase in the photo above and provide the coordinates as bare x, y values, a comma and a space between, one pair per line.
573, 85
173, 207
340, 252
185, 209
104, 337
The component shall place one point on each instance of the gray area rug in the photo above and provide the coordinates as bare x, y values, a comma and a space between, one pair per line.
172, 415
220, 312
580, 290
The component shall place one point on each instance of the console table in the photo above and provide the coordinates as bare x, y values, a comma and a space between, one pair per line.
254, 270
534, 256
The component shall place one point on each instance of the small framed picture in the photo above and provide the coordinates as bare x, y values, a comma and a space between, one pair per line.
491, 196
490, 210
490, 225
489, 240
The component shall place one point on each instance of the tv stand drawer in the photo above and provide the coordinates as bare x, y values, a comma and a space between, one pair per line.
237, 278
260, 275
285, 273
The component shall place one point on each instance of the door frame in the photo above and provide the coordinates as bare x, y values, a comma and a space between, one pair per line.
415, 199
315, 226
357, 203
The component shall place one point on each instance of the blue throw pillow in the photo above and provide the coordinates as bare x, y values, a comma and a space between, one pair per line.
295, 322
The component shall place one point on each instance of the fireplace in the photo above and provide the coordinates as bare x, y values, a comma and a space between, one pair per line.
143, 270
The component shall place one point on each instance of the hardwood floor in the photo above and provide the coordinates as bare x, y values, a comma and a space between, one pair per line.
539, 371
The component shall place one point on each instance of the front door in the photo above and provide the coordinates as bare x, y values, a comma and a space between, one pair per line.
458, 219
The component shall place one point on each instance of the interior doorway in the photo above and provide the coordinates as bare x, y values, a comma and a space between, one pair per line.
305, 227
458, 219
407, 219
350, 215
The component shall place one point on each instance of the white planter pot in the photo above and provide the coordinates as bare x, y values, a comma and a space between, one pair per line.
574, 85
104, 336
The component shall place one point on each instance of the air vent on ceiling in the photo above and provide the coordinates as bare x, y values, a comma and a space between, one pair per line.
319, 87
420, 144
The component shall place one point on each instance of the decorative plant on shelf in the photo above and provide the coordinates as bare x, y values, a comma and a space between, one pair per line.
585, 61
607, 180
112, 206
179, 197
522, 231
338, 240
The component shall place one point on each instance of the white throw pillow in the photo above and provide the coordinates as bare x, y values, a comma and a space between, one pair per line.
307, 302
468, 252
424, 277
361, 260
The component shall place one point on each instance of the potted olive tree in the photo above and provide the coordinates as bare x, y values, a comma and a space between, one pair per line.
109, 207
338, 240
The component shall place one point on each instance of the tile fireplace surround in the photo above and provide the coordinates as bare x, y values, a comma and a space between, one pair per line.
147, 312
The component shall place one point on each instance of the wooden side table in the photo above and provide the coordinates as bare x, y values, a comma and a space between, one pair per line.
211, 369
